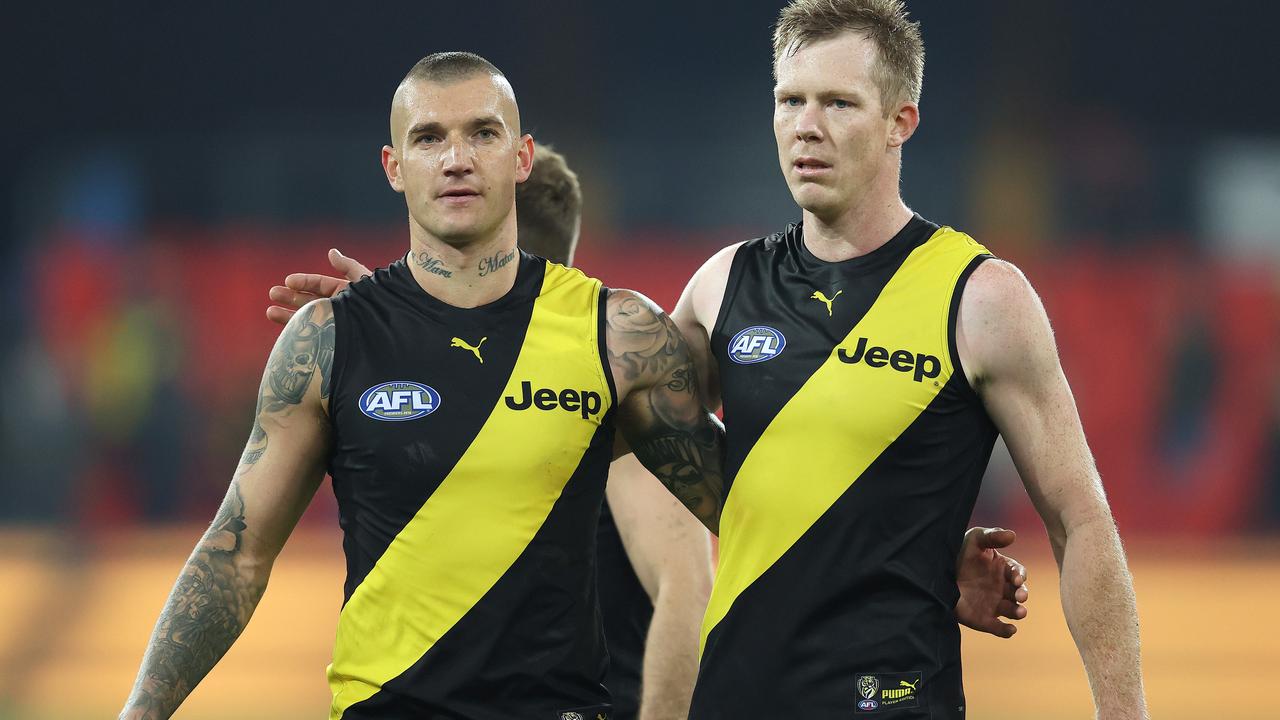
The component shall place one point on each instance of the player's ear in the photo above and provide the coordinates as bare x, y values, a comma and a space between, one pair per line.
391, 166
524, 157
903, 124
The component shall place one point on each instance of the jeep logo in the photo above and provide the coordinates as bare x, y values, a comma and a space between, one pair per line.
920, 366
584, 402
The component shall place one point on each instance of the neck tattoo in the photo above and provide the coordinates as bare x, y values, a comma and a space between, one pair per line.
493, 264
430, 264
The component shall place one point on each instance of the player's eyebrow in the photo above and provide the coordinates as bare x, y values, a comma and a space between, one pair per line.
438, 129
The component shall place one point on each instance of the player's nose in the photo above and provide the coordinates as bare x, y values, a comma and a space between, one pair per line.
809, 124
456, 159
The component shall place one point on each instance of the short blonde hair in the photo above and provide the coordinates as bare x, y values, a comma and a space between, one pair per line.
899, 73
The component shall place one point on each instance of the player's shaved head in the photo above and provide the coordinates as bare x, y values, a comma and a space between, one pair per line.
448, 68
443, 67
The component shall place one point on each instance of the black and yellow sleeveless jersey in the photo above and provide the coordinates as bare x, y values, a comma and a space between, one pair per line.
855, 452
470, 450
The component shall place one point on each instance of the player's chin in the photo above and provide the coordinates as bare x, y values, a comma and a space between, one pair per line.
460, 229
817, 199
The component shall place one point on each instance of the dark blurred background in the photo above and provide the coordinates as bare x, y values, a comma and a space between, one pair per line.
165, 163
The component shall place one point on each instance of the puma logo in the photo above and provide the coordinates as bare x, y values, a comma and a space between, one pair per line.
817, 295
475, 349
904, 683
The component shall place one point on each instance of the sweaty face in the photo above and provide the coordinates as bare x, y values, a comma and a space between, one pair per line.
456, 147
829, 123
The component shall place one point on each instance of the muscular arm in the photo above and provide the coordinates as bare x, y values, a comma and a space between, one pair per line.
1006, 342
671, 554
283, 463
661, 413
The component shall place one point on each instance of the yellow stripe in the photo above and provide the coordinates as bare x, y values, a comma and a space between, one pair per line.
488, 509
839, 422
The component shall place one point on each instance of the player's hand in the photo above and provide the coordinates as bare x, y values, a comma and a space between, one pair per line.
992, 585
301, 288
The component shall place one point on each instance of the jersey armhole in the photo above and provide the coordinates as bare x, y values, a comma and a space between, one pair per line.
602, 343
339, 357
953, 319
730, 292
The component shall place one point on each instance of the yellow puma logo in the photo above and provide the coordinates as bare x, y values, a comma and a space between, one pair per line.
904, 683
817, 295
475, 349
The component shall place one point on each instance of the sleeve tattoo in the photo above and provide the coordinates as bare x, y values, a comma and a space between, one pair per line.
303, 347
216, 591
206, 611
663, 418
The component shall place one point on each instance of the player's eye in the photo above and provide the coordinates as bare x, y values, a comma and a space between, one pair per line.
427, 138
841, 104
487, 133
791, 101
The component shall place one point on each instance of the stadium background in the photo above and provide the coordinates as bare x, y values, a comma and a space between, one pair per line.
166, 163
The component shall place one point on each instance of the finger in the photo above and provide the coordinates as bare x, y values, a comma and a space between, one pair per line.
1015, 571
1008, 609
317, 285
997, 628
995, 538
1016, 593
277, 314
290, 298
352, 269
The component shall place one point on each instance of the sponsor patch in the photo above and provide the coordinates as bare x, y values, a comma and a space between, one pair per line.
756, 344
399, 400
918, 365
879, 692
584, 402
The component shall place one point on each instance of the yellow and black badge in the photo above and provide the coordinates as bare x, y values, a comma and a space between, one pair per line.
887, 691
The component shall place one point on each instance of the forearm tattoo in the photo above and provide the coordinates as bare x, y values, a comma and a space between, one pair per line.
217, 591
206, 611
303, 347
669, 429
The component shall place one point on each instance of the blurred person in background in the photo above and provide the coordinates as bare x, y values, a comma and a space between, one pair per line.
644, 549
471, 569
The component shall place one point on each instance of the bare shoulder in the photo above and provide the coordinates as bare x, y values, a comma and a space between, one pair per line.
705, 292
1002, 325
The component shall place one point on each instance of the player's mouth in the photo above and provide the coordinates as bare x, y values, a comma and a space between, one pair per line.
459, 195
810, 167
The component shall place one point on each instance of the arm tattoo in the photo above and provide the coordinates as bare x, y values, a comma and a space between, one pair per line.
641, 341
206, 611
663, 418
295, 357
302, 348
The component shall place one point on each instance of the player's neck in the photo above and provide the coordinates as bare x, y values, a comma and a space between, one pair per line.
857, 230
468, 275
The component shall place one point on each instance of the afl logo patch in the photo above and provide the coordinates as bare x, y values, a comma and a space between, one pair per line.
756, 344
399, 400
